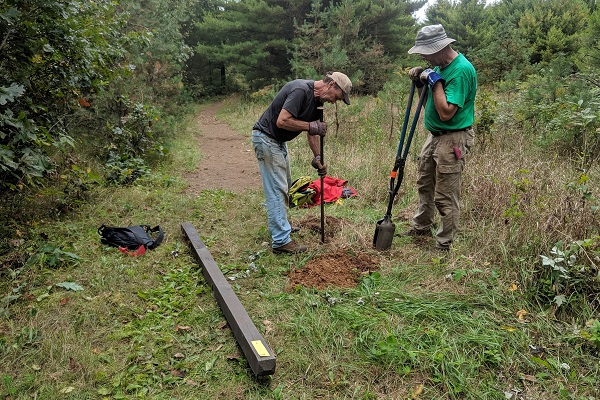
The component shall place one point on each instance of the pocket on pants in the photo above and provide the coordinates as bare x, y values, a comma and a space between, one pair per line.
450, 169
258, 148
448, 163
469, 139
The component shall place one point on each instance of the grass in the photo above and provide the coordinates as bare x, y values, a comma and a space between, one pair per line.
424, 326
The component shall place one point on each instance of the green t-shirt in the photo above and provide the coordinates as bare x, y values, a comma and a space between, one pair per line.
460, 88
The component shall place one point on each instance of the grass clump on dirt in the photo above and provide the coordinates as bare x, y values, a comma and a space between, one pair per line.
492, 319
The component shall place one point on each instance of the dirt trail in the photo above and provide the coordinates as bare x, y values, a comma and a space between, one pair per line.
228, 160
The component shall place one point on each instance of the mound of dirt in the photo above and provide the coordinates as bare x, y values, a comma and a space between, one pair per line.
340, 269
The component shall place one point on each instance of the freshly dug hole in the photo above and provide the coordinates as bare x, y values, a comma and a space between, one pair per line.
332, 225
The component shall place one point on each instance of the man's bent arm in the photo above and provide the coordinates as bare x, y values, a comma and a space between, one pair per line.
288, 122
444, 109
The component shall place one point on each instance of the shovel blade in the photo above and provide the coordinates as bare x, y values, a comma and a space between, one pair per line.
384, 234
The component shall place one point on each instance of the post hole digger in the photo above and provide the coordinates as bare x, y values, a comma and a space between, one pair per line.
384, 231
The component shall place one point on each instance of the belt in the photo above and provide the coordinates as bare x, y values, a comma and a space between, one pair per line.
440, 133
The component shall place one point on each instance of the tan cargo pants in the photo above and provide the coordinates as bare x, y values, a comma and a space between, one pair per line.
439, 182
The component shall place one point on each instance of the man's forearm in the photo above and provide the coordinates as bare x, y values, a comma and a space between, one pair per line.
313, 142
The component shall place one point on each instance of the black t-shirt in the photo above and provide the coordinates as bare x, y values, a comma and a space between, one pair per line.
298, 98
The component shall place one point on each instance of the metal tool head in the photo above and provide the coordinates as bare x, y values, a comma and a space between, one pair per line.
384, 233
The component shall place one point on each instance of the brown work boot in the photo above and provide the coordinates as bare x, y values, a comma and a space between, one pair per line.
290, 248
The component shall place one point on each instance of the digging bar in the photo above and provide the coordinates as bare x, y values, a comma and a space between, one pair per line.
322, 145
258, 353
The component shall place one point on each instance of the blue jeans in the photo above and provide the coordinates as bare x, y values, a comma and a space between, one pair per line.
276, 178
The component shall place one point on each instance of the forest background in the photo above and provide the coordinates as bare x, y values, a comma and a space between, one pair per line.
119, 73
92, 94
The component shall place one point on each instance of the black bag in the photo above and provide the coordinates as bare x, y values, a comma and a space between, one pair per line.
131, 238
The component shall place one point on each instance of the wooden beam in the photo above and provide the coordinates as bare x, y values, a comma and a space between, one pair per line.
258, 353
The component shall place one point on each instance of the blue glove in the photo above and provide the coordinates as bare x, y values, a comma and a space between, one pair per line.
431, 77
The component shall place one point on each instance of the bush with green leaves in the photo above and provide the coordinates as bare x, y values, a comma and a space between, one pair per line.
124, 169
486, 112
69, 69
54, 53
579, 123
562, 111
133, 134
20, 156
568, 279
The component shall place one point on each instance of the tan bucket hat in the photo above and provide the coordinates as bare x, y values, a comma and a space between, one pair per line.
430, 40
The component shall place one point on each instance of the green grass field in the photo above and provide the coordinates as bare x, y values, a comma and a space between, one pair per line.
486, 321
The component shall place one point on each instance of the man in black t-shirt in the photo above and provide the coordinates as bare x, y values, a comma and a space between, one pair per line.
293, 110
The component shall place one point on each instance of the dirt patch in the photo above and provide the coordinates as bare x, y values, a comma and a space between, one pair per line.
343, 268
332, 225
228, 160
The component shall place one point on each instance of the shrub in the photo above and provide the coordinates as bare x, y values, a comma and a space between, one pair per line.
568, 279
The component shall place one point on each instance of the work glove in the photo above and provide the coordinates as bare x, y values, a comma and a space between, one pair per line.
431, 77
317, 128
414, 74
321, 169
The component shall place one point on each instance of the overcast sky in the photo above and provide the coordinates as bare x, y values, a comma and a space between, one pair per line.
420, 15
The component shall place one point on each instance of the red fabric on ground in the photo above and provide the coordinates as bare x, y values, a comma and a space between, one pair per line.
332, 189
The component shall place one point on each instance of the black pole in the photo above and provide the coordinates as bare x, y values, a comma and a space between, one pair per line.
321, 140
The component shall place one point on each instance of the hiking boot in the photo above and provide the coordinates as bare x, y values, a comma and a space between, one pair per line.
443, 249
290, 248
417, 232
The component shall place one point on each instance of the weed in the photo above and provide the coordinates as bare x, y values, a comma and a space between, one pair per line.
594, 333
123, 170
52, 256
569, 276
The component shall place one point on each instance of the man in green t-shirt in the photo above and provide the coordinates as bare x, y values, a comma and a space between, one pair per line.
448, 116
